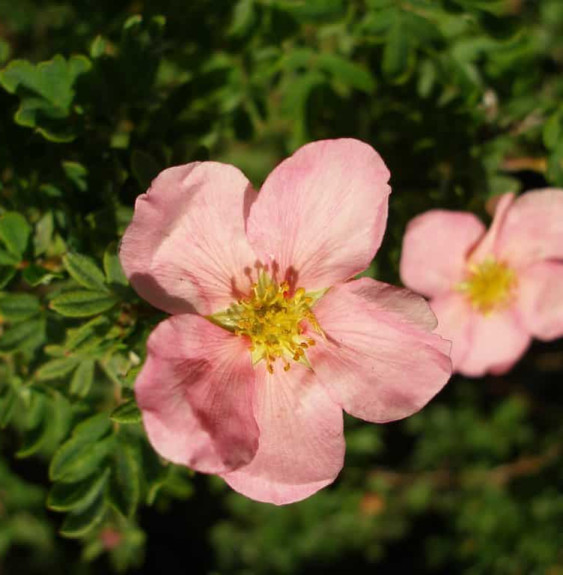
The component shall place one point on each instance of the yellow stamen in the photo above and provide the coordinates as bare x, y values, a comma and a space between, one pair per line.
490, 286
274, 321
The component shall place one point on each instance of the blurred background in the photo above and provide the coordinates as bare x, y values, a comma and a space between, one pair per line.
464, 101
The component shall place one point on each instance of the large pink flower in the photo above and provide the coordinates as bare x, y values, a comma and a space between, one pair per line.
491, 291
269, 340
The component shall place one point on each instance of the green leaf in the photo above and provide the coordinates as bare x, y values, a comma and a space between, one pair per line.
552, 131
244, 18
84, 271
8, 259
80, 521
348, 73
44, 229
56, 368
124, 489
7, 405
34, 439
79, 457
127, 413
26, 335
82, 379
18, 306
6, 275
98, 47
94, 427
35, 275
66, 496
396, 53
82, 303
113, 269
14, 232
46, 91
77, 174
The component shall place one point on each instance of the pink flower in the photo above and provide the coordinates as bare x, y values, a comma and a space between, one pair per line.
269, 341
491, 291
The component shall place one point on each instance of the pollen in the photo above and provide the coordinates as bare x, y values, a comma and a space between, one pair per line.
274, 320
490, 286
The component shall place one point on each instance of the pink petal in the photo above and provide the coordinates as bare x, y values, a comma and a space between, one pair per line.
321, 214
486, 246
380, 360
435, 249
454, 314
186, 247
196, 391
540, 299
301, 439
498, 341
533, 228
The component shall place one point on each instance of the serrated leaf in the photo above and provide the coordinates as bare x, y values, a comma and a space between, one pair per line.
14, 232
18, 306
85, 271
112, 267
127, 413
56, 368
82, 303
66, 496
80, 521
124, 487
25, 335
82, 378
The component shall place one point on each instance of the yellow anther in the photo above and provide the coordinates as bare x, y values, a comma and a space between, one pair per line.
274, 321
490, 286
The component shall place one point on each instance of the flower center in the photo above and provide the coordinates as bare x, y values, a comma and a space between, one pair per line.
490, 285
273, 321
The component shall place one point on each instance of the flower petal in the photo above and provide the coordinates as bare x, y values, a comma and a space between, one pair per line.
301, 438
186, 247
435, 249
540, 301
533, 228
195, 392
321, 214
454, 315
379, 361
498, 341
486, 246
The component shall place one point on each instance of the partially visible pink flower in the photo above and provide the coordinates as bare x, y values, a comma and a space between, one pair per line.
269, 341
494, 290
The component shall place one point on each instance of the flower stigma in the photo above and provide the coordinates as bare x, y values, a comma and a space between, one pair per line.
490, 286
274, 321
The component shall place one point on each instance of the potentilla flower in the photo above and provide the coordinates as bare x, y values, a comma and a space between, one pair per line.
491, 291
269, 340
